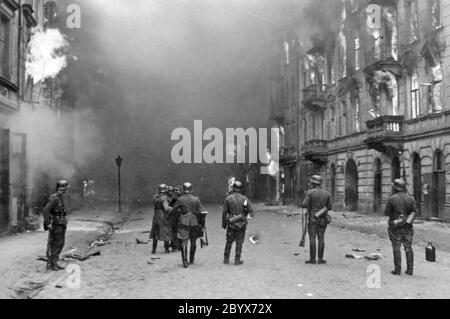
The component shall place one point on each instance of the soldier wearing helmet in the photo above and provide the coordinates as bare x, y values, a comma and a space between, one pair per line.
191, 223
161, 229
55, 223
401, 210
173, 194
318, 202
234, 220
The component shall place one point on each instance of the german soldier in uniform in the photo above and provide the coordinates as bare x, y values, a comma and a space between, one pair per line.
191, 223
234, 219
172, 193
401, 209
56, 223
318, 202
161, 229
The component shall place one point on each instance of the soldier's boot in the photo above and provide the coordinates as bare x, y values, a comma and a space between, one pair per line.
237, 260
312, 253
397, 261
166, 246
321, 252
183, 249
49, 265
410, 262
192, 255
155, 244
55, 266
175, 245
226, 257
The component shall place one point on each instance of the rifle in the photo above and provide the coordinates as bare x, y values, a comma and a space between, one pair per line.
304, 228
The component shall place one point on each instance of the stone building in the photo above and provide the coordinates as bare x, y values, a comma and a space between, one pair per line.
21, 174
368, 104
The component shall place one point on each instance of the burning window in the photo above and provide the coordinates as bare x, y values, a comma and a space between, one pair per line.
413, 14
5, 39
415, 104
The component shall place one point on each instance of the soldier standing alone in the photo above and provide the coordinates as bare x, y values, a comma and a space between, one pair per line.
55, 223
161, 229
236, 207
318, 202
191, 223
401, 209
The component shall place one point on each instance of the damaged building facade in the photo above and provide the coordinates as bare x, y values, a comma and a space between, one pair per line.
24, 182
368, 104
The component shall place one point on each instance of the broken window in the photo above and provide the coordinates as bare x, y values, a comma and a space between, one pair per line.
413, 15
436, 14
415, 105
5, 39
426, 94
357, 48
436, 88
356, 108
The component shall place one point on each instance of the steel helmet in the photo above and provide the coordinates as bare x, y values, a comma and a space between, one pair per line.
316, 180
62, 183
399, 185
237, 186
163, 188
188, 188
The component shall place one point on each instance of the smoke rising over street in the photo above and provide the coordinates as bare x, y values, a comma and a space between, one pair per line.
145, 68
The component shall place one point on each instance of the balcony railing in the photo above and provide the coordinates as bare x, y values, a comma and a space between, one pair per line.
386, 125
315, 151
382, 52
385, 132
314, 97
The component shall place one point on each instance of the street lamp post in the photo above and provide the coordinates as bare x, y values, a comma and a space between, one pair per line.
119, 164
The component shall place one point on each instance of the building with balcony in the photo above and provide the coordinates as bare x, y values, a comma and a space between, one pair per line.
373, 106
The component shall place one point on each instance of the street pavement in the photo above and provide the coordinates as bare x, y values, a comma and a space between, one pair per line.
274, 268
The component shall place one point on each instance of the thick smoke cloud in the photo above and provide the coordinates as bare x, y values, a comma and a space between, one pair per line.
146, 67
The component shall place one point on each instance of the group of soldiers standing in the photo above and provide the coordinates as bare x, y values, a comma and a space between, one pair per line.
400, 208
179, 220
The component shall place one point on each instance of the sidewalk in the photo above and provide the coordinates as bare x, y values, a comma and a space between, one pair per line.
25, 275
376, 224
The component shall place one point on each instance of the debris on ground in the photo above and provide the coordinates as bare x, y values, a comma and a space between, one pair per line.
374, 256
141, 242
254, 239
358, 250
353, 256
99, 243
74, 254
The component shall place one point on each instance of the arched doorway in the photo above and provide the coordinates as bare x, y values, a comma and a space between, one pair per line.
333, 181
417, 180
395, 168
351, 186
378, 185
438, 186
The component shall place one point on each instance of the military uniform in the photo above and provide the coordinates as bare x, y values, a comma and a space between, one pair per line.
161, 228
191, 223
316, 199
55, 215
398, 207
233, 206
173, 220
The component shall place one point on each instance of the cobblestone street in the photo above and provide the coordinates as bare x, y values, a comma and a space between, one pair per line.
274, 268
